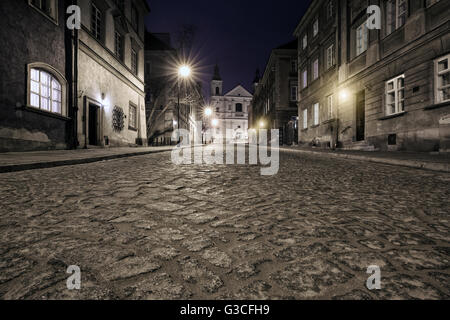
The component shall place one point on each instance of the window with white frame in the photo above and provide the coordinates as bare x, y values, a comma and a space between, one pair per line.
134, 61
330, 107
442, 75
305, 78
305, 118
331, 56
294, 90
395, 95
316, 113
362, 37
45, 91
305, 41
96, 22
316, 28
47, 7
133, 117
316, 69
395, 15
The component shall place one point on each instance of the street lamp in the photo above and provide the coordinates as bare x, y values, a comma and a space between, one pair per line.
215, 123
208, 112
261, 124
184, 71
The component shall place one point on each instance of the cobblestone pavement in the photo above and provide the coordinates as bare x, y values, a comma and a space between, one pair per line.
143, 228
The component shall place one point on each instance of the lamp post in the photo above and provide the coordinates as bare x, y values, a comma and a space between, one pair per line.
184, 72
207, 113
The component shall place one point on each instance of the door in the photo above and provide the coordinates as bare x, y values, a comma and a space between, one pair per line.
93, 124
360, 116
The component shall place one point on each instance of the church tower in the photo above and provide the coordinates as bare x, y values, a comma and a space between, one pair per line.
256, 80
216, 83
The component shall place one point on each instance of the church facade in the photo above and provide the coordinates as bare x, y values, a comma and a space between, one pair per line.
230, 110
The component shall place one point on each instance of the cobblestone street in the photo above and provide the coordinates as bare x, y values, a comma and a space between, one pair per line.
144, 228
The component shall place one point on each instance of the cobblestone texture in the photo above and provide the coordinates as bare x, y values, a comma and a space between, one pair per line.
143, 228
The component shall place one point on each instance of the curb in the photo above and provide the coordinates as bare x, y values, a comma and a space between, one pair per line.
69, 162
432, 166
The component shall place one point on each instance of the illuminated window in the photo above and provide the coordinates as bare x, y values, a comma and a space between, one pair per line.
45, 91
316, 28
362, 37
305, 41
442, 76
330, 107
305, 118
395, 15
331, 56
316, 69
305, 78
395, 95
316, 114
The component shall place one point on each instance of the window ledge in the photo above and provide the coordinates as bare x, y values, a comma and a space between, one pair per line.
44, 113
315, 126
304, 130
132, 129
329, 121
437, 105
396, 115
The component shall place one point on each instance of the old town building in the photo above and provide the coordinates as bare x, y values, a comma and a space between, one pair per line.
274, 104
230, 110
377, 89
111, 93
35, 71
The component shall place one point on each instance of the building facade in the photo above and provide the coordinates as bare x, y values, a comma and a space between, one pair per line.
111, 92
35, 77
375, 89
274, 104
230, 110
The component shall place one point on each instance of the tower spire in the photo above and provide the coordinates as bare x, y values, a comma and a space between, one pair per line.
217, 73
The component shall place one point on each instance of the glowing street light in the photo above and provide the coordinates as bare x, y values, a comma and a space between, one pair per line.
215, 122
184, 71
261, 124
208, 112
343, 94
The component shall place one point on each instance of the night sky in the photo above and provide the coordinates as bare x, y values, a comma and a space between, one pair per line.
237, 34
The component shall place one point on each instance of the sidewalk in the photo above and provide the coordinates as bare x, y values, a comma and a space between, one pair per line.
428, 161
20, 161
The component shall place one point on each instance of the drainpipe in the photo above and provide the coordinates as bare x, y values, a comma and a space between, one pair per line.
75, 88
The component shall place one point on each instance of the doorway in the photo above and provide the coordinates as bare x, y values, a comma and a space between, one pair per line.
361, 116
93, 124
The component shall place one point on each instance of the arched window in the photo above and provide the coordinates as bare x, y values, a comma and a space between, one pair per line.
217, 91
47, 89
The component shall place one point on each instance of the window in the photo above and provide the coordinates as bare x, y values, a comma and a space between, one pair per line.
305, 118
330, 102
305, 41
217, 91
96, 21
442, 75
316, 114
47, 7
331, 56
134, 17
238, 107
316, 28
118, 45
133, 117
330, 10
316, 69
362, 34
395, 95
294, 90
395, 15
305, 78
45, 91
134, 61
431, 2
